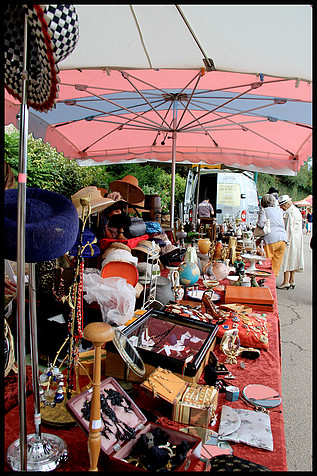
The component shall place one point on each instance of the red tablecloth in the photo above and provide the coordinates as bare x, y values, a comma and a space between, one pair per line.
265, 370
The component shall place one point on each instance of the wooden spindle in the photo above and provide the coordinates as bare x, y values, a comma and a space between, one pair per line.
98, 333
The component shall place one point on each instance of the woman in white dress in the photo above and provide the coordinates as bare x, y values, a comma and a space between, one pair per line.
293, 259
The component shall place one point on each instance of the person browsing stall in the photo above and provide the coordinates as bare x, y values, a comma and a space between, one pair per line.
205, 209
309, 218
274, 192
293, 259
276, 240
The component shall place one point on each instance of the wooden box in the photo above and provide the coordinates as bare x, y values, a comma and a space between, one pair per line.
192, 404
114, 452
163, 327
86, 362
259, 299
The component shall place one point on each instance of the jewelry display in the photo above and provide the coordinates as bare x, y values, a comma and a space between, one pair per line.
154, 452
161, 336
229, 345
111, 423
200, 396
187, 311
52, 377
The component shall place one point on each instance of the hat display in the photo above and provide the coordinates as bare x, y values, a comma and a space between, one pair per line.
51, 225
283, 199
272, 190
97, 201
115, 246
119, 255
146, 247
129, 189
53, 34
90, 248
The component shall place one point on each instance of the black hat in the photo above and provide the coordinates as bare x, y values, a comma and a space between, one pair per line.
272, 190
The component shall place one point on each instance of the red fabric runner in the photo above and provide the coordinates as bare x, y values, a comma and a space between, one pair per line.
266, 370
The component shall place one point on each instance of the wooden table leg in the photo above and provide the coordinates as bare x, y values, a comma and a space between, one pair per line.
98, 333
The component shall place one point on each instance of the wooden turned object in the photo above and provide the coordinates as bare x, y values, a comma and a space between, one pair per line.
98, 333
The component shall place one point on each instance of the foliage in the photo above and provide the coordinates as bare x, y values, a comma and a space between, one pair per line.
49, 169
153, 180
297, 187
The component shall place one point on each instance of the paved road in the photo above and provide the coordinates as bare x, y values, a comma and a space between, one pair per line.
295, 312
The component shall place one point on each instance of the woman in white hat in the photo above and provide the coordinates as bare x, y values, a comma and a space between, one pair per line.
293, 259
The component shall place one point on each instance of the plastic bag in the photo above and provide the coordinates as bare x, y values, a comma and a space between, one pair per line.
115, 296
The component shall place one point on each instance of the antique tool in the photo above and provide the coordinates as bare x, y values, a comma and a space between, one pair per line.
98, 333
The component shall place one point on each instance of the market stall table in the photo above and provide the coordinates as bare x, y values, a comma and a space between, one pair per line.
265, 370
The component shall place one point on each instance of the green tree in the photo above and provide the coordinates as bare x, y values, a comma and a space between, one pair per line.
297, 187
49, 169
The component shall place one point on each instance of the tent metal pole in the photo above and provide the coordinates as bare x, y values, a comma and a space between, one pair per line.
197, 199
174, 136
34, 351
21, 211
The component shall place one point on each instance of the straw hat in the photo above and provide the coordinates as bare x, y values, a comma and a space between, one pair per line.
51, 225
283, 199
97, 201
115, 246
129, 189
146, 247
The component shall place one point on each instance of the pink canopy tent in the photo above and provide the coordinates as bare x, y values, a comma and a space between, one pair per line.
240, 120
302, 203
309, 199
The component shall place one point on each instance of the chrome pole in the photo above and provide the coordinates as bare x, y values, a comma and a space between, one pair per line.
21, 210
34, 351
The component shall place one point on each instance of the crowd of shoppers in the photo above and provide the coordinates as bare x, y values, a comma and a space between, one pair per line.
284, 243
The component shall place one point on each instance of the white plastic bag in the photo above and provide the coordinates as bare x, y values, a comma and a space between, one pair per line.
115, 296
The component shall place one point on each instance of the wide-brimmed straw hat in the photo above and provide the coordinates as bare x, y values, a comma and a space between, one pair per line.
129, 189
146, 247
53, 34
97, 201
51, 225
283, 199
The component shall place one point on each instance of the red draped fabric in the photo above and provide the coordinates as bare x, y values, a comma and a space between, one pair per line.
265, 370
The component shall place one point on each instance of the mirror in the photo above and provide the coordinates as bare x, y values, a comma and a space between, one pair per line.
128, 353
262, 395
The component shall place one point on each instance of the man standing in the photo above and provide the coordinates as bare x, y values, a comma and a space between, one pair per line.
205, 209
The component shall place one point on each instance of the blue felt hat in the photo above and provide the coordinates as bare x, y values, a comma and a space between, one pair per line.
88, 238
51, 225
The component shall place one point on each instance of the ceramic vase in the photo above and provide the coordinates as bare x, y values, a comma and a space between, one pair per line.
204, 245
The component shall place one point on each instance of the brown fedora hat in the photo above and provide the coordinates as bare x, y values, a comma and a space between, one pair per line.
129, 189
97, 201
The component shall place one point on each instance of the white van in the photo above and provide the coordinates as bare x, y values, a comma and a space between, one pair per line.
231, 193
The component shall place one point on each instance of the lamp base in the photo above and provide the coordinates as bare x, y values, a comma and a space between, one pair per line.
44, 453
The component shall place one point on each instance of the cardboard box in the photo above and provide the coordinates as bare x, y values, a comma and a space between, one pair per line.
259, 299
192, 404
117, 452
163, 326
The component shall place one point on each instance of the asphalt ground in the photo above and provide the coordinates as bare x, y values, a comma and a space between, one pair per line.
295, 308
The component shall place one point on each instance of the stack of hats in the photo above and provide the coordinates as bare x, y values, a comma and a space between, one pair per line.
129, 190
96, 200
